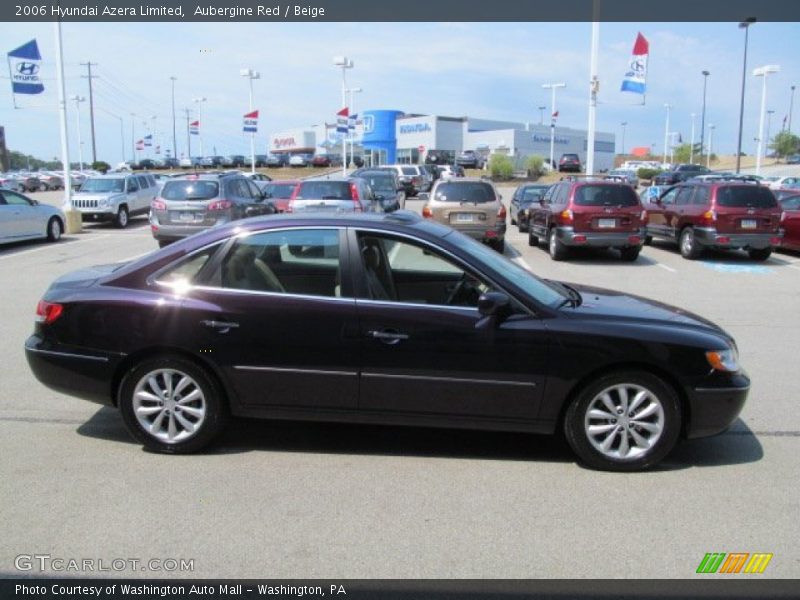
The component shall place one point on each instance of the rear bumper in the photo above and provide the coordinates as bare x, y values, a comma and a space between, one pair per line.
483, 233
713, 409
598, 239
711, 237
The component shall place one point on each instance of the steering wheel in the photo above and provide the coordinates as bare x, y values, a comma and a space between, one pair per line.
459, 287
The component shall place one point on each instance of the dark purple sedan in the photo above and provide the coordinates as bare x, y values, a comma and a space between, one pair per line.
383, 318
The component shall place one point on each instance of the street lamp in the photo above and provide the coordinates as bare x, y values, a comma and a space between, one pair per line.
78, 100
352, 91
746, 26
174, 134
133, 135
769, 123
691, 143
345, 63
666, 133
762, 72
199, 102
553, 87
251, 75
624, 125
710, 143
791, 105
703, 114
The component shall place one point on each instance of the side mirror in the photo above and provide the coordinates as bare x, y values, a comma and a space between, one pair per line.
492, 304
541, 201
424, 196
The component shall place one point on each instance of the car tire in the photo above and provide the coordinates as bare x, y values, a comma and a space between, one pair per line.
556, 248
648, 240
54, 229
532, 239
759, 254
604, 437
688, 245
163, 243
122, 217
499, 245
630, 253
158, 417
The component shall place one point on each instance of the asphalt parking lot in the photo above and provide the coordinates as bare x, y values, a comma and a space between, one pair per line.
278, 499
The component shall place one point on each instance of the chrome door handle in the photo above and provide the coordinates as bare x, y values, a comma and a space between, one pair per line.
222, 326
388, 337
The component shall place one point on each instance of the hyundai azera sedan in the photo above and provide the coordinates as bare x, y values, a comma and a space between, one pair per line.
379, 318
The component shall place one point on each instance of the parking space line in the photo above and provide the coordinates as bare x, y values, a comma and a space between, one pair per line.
793, 267
666, 268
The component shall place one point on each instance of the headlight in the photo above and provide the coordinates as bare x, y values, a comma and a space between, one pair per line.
723, 360
103, 202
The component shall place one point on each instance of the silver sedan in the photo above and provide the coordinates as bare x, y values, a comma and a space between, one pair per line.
22, 218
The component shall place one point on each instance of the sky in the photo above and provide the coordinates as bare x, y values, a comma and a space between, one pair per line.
485, 70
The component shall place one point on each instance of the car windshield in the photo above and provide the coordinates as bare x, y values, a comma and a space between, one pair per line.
190, 190
538, 289
605, 195
533, 194
472, 192
282, 191
103, 185
324, 190
380, 182
751, 196
409, 170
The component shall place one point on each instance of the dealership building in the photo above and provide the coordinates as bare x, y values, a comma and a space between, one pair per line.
392, 136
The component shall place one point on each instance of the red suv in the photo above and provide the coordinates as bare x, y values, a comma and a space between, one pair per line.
590, 212
717, 214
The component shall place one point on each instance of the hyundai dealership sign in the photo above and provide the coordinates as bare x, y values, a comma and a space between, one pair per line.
415, 128
545, 139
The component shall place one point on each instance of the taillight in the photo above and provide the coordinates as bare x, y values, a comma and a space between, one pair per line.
354, 192
427, 212
220, 205
501, 214
566, 217
783, 216
709, 217
643, 216
48, 312
158, 205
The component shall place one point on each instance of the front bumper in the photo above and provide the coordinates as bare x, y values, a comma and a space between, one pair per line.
708, 236
714, 407
102, 214
599, 239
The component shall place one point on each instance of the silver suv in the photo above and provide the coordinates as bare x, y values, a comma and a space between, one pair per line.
115, 197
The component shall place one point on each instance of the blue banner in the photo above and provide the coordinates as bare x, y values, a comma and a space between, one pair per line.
24, 64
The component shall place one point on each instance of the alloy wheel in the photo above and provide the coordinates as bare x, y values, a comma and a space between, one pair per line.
169, 405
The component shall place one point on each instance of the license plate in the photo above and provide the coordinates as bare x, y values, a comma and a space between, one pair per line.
463, 218
606, 223
186, 216
749, 223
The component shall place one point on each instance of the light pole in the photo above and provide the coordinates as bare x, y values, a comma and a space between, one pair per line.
624, 125
710, 142
762, 72
250, 74
174, 130
153, 131
199, 102
541, 114
791, 105
594, 88
746, 26
133, 142
345, 63
352, 91
666, 133
553, 87
769, 123
703, 114
78, 100
691, 143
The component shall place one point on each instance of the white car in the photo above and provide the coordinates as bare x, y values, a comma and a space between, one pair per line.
22, 218
776, 183
299, 160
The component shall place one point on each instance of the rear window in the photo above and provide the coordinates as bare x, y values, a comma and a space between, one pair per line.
533, 194
409, 170
379, 181
746, 196
190, 190
476, 193
324, 190
605, 195
282, 191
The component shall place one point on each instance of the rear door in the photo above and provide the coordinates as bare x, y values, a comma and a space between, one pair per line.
746, 209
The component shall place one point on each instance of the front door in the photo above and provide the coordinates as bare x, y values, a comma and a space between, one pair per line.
423, 352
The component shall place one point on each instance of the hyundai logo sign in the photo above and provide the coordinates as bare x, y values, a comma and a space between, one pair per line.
415, 128
27, 68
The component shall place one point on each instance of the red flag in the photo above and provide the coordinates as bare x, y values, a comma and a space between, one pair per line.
345, 112
555, 114
250, 115
642, 46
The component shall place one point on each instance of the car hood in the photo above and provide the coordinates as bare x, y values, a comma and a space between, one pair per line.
95, 195
626, 307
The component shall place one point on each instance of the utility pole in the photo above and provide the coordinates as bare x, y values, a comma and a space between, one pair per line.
174, 136
188, 135
89, 65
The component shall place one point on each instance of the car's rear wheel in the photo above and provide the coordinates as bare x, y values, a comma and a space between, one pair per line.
760, 254
54, 229
557, 249
689, 247
163, 243
122, 217
498, 244
630, 253
648, 239
623, 421
171, 405
532, 239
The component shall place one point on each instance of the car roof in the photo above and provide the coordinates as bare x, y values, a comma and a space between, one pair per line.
462, 180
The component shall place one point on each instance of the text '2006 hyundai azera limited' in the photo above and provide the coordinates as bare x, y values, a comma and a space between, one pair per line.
379, 319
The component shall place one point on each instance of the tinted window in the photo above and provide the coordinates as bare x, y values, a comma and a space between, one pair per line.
102, 186
472, 192
281, 191
190, 190
532, 194
605, 195
791, 203
255, 192
669, 197
324, 190
753, 196
701, 196
143, 183
380, 182
133, 186
409, 170
15, 199
186, 270
684, 196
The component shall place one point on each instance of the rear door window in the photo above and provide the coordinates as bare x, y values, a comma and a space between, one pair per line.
701, 196
685, 196
132, 185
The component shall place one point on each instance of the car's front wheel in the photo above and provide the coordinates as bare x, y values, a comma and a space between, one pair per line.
122, 217
623, 421
54, 229
171, 405
532, 239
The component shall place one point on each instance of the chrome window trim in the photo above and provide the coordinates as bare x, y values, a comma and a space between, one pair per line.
449, 379
287, 370
263, 293
725, 389
69, 354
